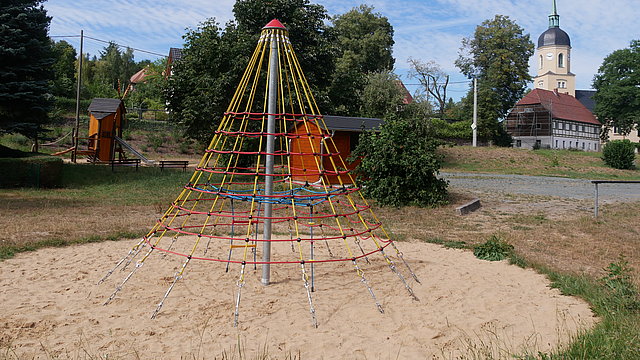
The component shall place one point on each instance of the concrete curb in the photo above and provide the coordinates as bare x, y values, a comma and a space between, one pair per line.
469, 207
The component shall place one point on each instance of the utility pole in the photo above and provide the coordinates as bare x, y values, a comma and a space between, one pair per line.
272, 108
474, 126
77, 128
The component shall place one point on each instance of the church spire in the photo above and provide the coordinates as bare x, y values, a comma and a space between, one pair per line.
554, 19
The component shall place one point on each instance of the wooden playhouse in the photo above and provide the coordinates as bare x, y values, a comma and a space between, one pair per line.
343, 131
106, 117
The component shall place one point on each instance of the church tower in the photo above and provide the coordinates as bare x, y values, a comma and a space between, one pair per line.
554, 58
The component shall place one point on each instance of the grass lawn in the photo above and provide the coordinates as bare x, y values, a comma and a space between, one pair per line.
563, 163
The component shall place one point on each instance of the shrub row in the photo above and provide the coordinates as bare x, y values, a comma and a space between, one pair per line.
32, 171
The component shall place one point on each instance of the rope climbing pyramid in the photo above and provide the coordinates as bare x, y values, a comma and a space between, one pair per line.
272, 168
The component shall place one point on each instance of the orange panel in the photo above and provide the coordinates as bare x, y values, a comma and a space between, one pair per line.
301, 164
340, 142
105, 138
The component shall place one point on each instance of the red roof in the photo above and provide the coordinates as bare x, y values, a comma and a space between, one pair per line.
561, 106
140, 76
407, 99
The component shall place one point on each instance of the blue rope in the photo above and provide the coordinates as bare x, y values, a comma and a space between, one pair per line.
280, 197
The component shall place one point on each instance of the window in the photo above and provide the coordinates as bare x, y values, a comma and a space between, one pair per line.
538, 126
540, 65
582, 146
563, 144
538, 143
574, 127
518, 143
562, 84
540, 83
561, 60
556, 144
561, 126
582, 128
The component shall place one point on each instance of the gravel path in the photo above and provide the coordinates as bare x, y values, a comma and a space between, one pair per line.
542, 186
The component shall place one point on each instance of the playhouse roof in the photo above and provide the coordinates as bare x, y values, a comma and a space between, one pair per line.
561, 106
346, 123
101, 107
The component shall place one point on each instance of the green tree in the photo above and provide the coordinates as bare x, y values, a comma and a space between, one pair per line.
203, 80
149, 93
115, 67
25, 66
381, 95
64, 69
498, 56
618, 88
214, 59
307, 32
364, 42
400, 164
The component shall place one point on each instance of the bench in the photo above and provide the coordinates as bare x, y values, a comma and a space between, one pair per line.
124, 162
173, 164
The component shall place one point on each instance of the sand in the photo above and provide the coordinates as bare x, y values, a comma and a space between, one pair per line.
51, 307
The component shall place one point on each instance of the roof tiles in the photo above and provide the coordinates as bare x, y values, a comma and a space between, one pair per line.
561, 106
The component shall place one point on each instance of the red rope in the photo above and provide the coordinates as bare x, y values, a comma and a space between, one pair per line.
387, 243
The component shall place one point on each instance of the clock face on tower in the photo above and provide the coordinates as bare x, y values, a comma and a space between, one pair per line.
549, 56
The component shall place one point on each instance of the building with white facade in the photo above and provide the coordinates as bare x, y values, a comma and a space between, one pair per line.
550, 119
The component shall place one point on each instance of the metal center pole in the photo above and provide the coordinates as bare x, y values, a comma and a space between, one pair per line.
272, 103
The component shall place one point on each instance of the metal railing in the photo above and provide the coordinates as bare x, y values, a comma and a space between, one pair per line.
597, 182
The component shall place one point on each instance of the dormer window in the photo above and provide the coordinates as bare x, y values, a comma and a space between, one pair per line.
561, 60
562, 84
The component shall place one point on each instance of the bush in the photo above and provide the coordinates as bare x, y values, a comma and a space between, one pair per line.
619, 154
620, 285
455, 130
400, 165
495, 249
34, 170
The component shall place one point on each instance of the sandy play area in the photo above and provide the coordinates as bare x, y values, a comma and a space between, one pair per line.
51, 307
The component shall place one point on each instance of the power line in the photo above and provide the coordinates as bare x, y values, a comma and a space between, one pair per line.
124, 46
109, 42
449, 83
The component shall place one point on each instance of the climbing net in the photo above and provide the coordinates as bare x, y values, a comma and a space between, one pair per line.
272, 175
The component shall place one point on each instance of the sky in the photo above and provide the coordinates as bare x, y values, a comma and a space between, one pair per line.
424, 29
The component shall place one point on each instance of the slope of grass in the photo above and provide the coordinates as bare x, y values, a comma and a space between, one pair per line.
617, 334
563, 163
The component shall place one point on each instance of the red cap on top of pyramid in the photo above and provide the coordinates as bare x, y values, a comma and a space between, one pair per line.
274, 24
